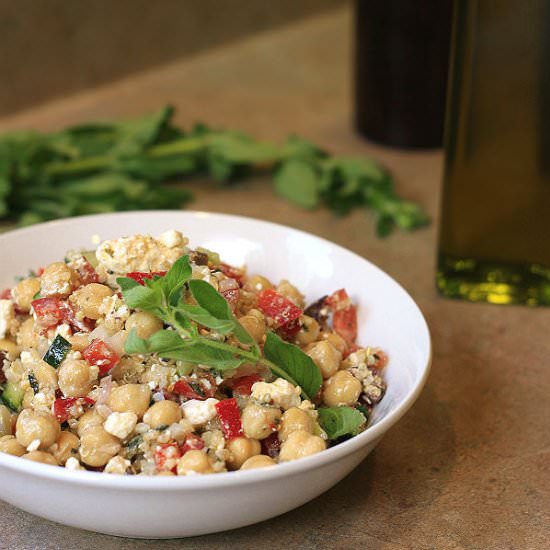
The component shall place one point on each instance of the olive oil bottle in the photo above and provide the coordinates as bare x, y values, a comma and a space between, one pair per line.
494, 243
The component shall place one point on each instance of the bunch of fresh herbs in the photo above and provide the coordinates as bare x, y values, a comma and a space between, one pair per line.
96, 168
186, 304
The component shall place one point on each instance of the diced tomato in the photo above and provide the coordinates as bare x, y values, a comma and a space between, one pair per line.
140, 276
98, 353
192, 443
271, 445
290, 330
183, 388
2, 374
79, 325
344, 322
168, 395
200, 389
166, 456
284, 313
49, 311
5, 294
381, 359
67, 407
231, 297
344, 315
86, 272
339, 299
232, 272
230, 418
243, 384
52, 311
230, 290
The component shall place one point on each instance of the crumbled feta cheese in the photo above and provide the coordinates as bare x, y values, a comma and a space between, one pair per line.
33, 445
172, 239
140, 253
200, 412
120, 425
363, 356
203, 273
115, 311
7, 316
44, 400
63, 330
73, 464
158, 375
117, 465
281, 393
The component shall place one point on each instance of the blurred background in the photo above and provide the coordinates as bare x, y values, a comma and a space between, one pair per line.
58, 47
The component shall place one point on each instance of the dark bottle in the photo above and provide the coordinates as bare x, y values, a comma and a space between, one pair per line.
401, 61
495, 219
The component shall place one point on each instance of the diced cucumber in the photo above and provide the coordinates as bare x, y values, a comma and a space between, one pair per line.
12, 396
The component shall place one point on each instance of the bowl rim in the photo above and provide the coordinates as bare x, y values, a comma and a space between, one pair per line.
241, 477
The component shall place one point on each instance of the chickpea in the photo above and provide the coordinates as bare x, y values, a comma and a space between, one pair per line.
10, 445
130, 398
165, 473
24, 292
5, 421
45, 375
295, 420
259, 421
97, 446
79, 341
28, 398
33, 425
258, 461
300, 444
289, 291
337, 341
89, 298
9, 347
241, 449
194, 462
309, 331
58, 279
41, 456
89, 420
27, 337
257, 283
76, 378
326, 357
145, 324
341, 389
254, 325
162, 413
66, 445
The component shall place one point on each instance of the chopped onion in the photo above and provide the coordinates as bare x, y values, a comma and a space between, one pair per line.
105, 387
228, 284
114, 341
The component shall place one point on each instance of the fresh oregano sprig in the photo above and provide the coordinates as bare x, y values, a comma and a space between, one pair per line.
187, 304
105, 167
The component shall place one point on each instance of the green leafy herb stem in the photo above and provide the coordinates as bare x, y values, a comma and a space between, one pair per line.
106, 167
168, 298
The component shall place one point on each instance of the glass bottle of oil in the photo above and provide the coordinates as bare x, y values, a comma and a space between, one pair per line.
495, 219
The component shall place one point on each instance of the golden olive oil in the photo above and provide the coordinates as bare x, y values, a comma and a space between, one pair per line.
495, 220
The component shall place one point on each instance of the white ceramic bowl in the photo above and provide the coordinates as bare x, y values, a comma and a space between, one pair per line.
160, 507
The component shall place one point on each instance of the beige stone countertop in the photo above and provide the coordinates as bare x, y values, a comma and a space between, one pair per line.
468, 466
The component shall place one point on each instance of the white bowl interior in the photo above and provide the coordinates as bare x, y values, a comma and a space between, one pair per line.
388, 317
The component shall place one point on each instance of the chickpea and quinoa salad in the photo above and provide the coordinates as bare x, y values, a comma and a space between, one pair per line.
148, 357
